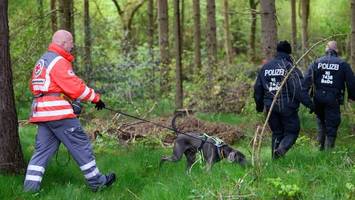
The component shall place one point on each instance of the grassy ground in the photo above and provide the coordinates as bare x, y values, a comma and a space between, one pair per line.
305, 173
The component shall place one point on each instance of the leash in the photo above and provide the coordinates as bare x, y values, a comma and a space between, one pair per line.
160, 125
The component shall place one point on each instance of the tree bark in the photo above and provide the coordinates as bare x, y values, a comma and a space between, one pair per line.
304, 16
178, 48
163, 18
211, 41
67, 15
197, 35
54, 23
293, 26
268, 28
87, 43
252, 51
11, 158
352, 34
226, 30
151, 27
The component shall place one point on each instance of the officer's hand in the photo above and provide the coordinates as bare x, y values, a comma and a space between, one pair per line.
100, 105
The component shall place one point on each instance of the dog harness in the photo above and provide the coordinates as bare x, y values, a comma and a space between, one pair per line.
216, 142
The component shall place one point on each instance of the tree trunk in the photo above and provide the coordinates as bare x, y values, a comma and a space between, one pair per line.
197, 35
150, 33
211, 41
87, 43
11, 158
54, 23
67, 15
352, 34
182, 21
179, 90
304, 16
268, 28
227, 40
293, 26
151, 27
163, 19
252, 51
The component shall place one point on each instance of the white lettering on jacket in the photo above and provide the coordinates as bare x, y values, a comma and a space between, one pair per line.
328, 66
274, 72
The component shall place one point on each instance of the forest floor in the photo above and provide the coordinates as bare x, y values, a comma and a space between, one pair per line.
305, 173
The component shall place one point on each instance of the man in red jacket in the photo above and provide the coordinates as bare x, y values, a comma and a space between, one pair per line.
52, 79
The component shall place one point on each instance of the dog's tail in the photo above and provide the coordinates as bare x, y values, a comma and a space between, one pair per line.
173, 122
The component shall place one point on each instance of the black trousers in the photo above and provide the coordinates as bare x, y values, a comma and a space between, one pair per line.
285, 127
328, 117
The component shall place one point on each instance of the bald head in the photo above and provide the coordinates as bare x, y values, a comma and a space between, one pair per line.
331, 45
63, 39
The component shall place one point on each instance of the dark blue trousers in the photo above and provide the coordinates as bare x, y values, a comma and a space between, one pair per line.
285, 127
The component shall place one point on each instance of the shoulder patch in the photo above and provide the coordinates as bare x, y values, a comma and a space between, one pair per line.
39, 67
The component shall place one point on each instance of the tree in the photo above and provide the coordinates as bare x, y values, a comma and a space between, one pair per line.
352, 34
293, 26
54, 23
11, 158
178, 49
126, 17
197, 35
226, 30
163, 19
87, 42
268, 28
253, 4
150, 27
211, 41
304, 17
67, 15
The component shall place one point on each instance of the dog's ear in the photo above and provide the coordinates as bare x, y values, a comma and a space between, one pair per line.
231, 156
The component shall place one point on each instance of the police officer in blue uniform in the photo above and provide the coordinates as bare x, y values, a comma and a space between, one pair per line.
284, 121
328, 75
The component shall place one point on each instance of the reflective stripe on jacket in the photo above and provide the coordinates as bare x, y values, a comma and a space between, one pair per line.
53, 73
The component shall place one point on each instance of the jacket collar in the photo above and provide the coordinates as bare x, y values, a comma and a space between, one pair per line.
59, 50
284, 56
331, 52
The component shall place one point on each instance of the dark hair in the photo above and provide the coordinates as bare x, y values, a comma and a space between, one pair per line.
284, 46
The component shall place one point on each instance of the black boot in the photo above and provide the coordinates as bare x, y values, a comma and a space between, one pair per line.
279, 152
110, 179
329, 143
321, 140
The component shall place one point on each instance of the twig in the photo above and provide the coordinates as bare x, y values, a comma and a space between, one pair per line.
135, 196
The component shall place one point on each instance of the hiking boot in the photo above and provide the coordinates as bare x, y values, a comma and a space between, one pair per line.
329, 143
279, 152
110, 179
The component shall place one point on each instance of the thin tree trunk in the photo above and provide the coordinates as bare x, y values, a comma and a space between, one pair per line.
227, 40
54, 23
211, 41
268, 28
293, 26
150, 32
252, 51
304, 16
197, 36
163, 19
352, 34
179, 90
11, 158
182, 21
67, 17
87, 43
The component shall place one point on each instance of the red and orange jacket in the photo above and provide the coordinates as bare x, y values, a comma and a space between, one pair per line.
52, 78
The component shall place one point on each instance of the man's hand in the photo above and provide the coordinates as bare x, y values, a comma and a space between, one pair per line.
100, 105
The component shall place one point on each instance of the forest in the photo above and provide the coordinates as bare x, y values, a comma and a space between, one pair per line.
151, 59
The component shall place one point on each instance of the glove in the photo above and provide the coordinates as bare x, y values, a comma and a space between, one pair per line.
100, 105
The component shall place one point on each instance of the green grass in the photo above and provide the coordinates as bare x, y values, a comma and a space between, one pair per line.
314, 174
